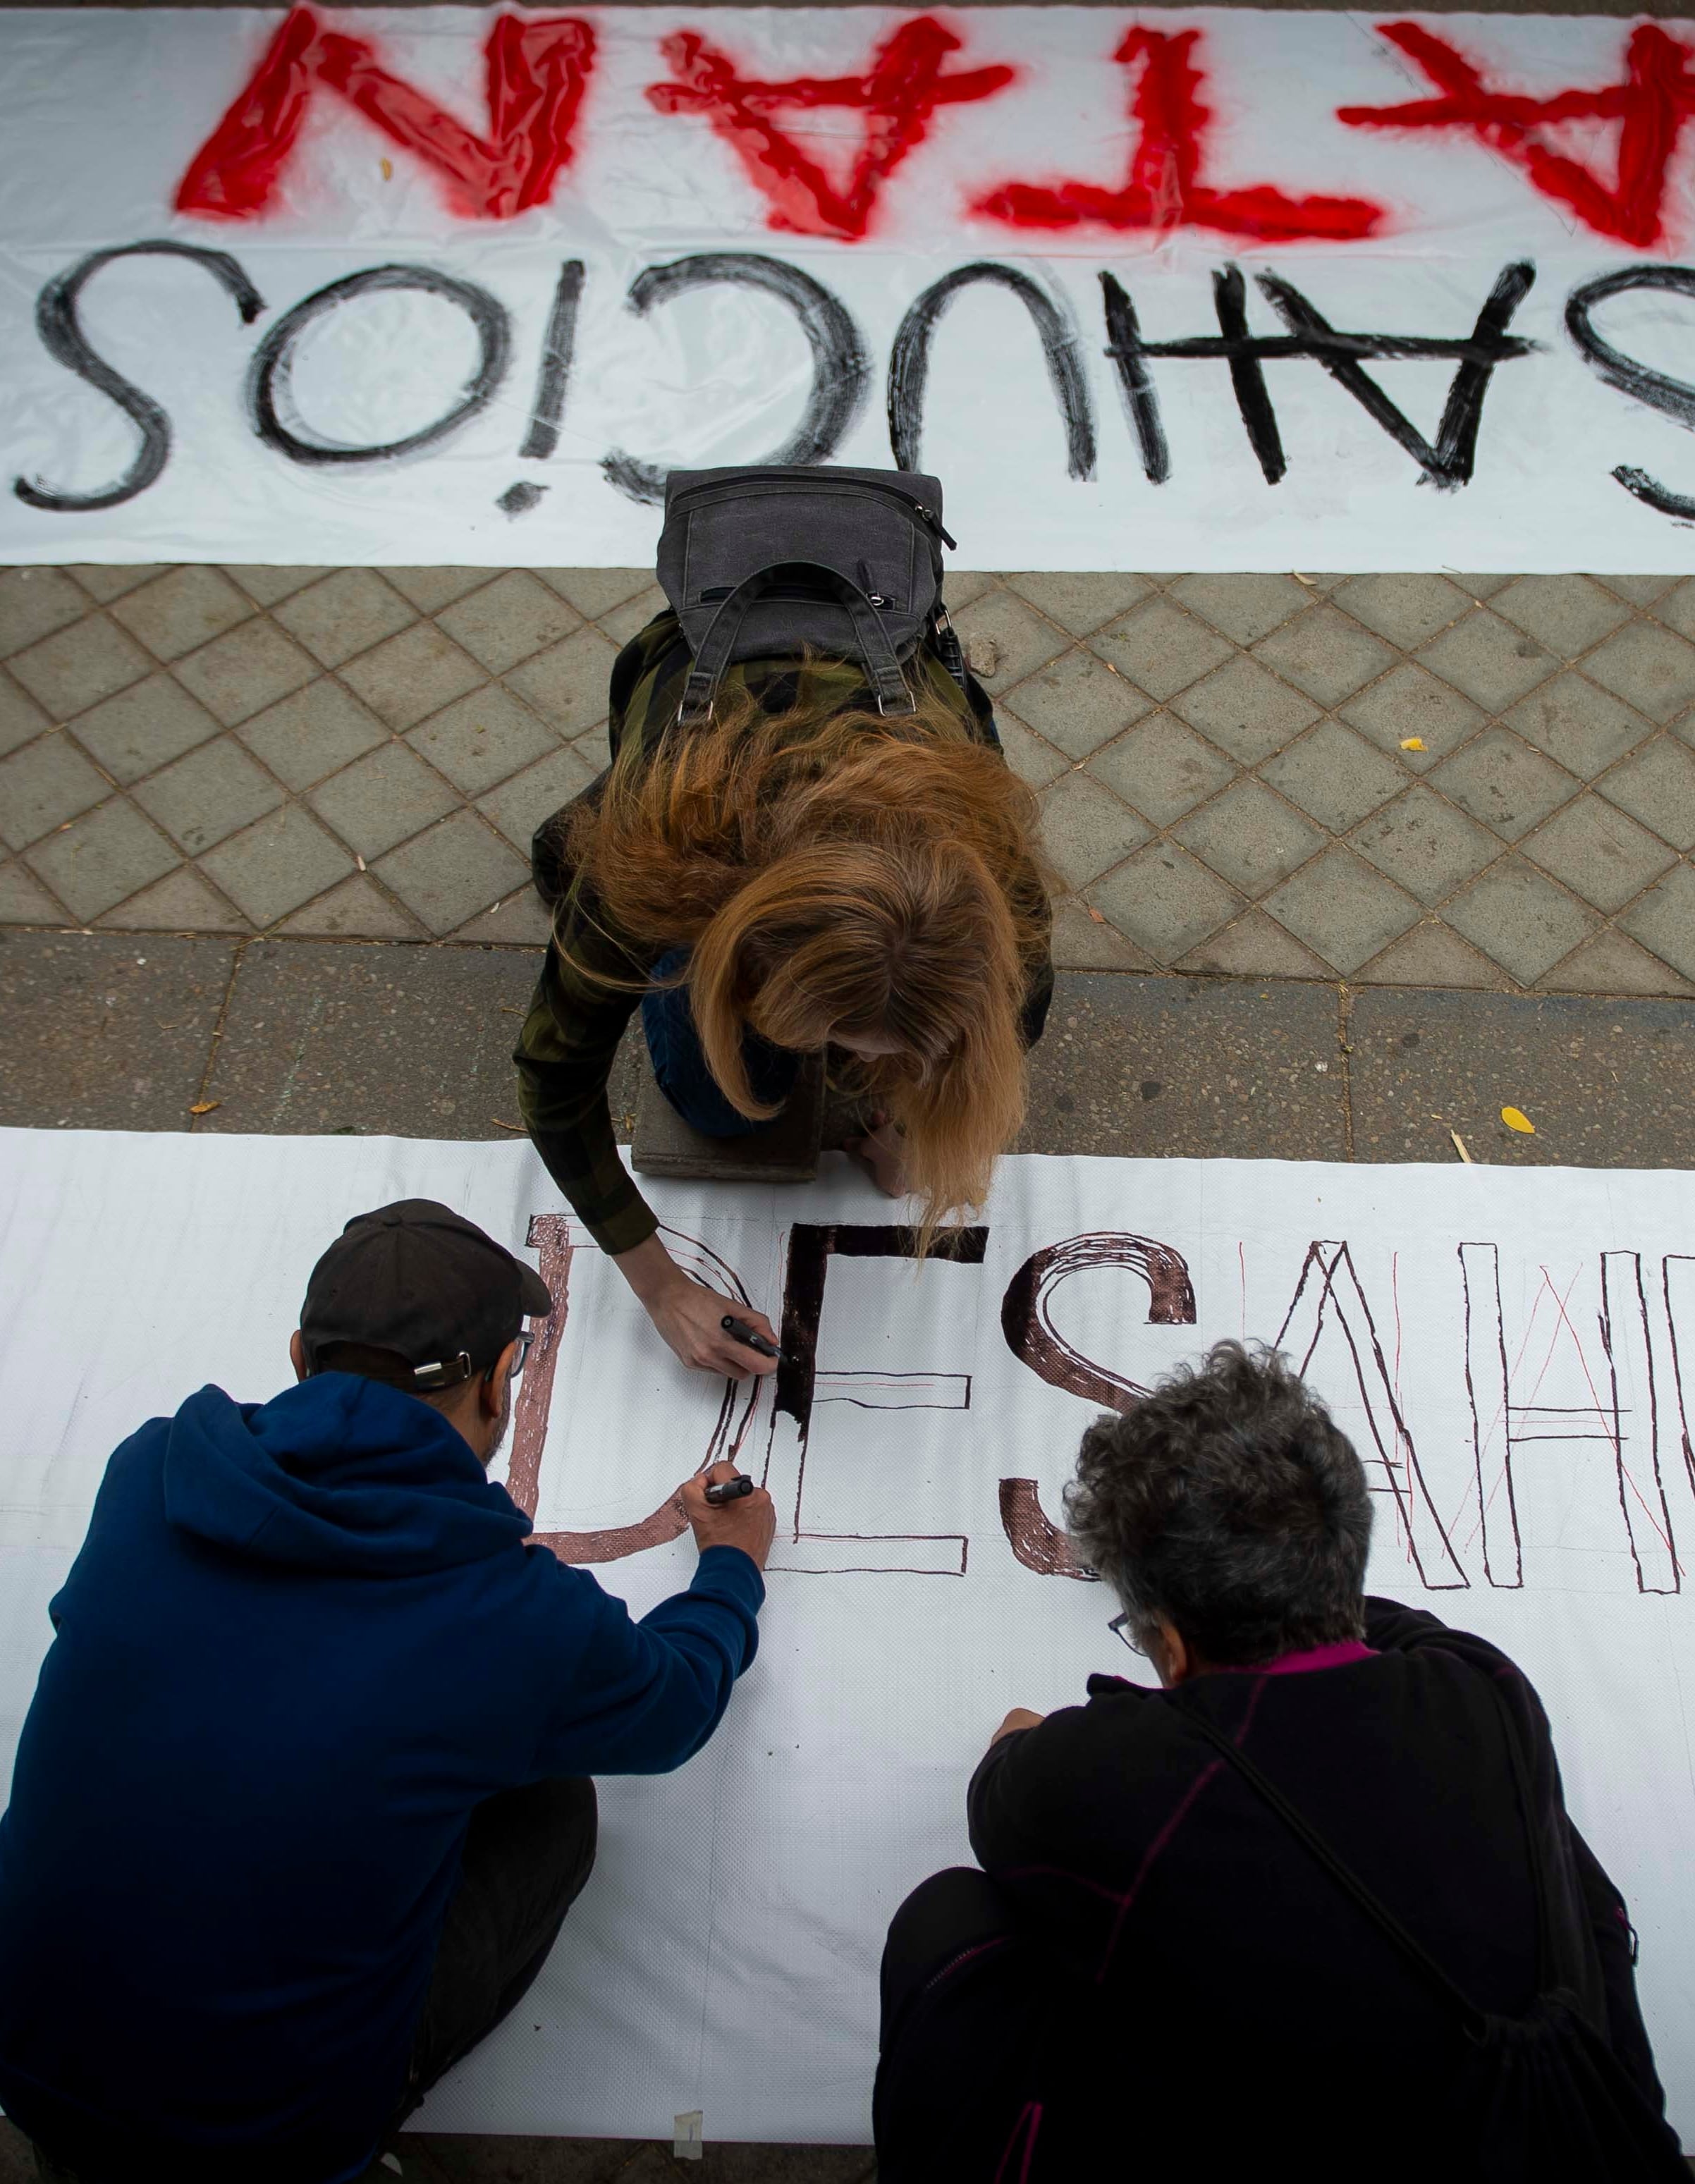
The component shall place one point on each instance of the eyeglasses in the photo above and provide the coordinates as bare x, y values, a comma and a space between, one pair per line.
1120, 1627
522, 1342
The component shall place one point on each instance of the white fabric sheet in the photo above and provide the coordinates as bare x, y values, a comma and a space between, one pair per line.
105, 115
724, 1955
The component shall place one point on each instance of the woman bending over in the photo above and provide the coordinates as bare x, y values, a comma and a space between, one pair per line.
798, 876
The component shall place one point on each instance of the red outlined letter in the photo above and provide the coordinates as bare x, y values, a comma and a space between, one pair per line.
898, 95
537, 69
1163, 187
1650, 106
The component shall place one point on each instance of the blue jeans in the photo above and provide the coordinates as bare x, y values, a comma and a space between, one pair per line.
679, 1064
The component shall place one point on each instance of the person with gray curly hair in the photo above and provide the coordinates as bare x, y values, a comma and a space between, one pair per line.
1315, 1896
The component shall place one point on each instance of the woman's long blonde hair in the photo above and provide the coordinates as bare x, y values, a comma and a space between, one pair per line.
839, 877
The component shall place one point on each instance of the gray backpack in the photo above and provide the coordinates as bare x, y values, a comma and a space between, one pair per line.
762, 563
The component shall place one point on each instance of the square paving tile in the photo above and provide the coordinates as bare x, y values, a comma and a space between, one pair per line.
1599, 853
1657, 785
448, 875
1343, 909
1085, 830
42, 786
1254, 946
344, 613
518, 806
482, 738
1411, 702
406, 678
1430, 954
181, 902
269, 583
595, 592
105, 581
1503, 783
1488, 661
1521, 919
1425, 844
273, 867
1677, 608
1001, 629
208, 794
1031, 757
24, 901
382, 799
1406, 610
1585, 728
1640, 591
1324, 654
1335, 776
1246, 710
1647, 667
1077, 702
144, 727
313, 733
75, 668
356, 909
1242, 608
1083, 940
1611, 963
21, 719
1077, 602
1565, 614
1161, 649
566, 684
241, 672
506, 621
186, 607
431, 589
1162, 768
622, 623
101, 858
1250, 837
33, 603
1665, 920
1165, 901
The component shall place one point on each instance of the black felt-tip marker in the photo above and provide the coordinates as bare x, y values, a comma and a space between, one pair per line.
729, 1490
750, 1335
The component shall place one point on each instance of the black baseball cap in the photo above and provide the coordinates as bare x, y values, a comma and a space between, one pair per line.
420, 1282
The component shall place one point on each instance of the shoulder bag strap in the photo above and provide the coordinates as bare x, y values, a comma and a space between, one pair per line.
1343, 1875
713, 656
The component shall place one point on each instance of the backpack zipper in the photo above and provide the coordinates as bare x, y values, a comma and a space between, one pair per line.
726, 491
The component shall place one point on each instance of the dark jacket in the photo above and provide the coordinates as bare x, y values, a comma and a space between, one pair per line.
577, 1015
1211, 1997
301, 1642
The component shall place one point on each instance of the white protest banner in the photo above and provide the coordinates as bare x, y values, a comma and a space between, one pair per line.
1208, 288
1513, 1352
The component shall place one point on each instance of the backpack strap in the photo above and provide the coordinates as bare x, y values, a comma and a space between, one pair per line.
1473, 2021
882, 664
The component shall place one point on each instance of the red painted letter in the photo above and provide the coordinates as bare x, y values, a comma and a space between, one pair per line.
1165, 187
537, 70
1651, 107
898, 95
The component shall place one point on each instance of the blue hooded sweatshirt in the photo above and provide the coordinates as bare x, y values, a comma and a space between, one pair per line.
301, 1642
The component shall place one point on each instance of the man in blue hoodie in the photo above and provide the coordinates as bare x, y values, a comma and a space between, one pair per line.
302, 1799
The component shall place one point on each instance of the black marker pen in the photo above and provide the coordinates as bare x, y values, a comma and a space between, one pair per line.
729, 1490
753, 1340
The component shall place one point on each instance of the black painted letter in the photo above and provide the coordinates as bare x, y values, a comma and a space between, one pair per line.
1672, 398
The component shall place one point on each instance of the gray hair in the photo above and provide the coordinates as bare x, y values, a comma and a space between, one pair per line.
1228, 1502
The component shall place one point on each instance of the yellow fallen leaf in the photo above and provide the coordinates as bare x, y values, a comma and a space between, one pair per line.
1093, 913
204, 1106
1516, 1120
1412, 742
387, 171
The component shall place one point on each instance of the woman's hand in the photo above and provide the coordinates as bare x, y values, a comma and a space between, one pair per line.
691, 1318
882, 1153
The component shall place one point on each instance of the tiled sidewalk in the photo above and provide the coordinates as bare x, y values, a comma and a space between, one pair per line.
1223, 760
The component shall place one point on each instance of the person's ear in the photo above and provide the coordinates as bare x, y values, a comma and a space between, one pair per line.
1172, 1658
491, 1391
297, 1355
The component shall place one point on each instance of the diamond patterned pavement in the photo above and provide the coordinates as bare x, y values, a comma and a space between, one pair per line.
1222, 760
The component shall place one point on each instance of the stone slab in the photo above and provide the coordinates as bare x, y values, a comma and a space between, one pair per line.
1146, 1067
106, 1031
1605, 1082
